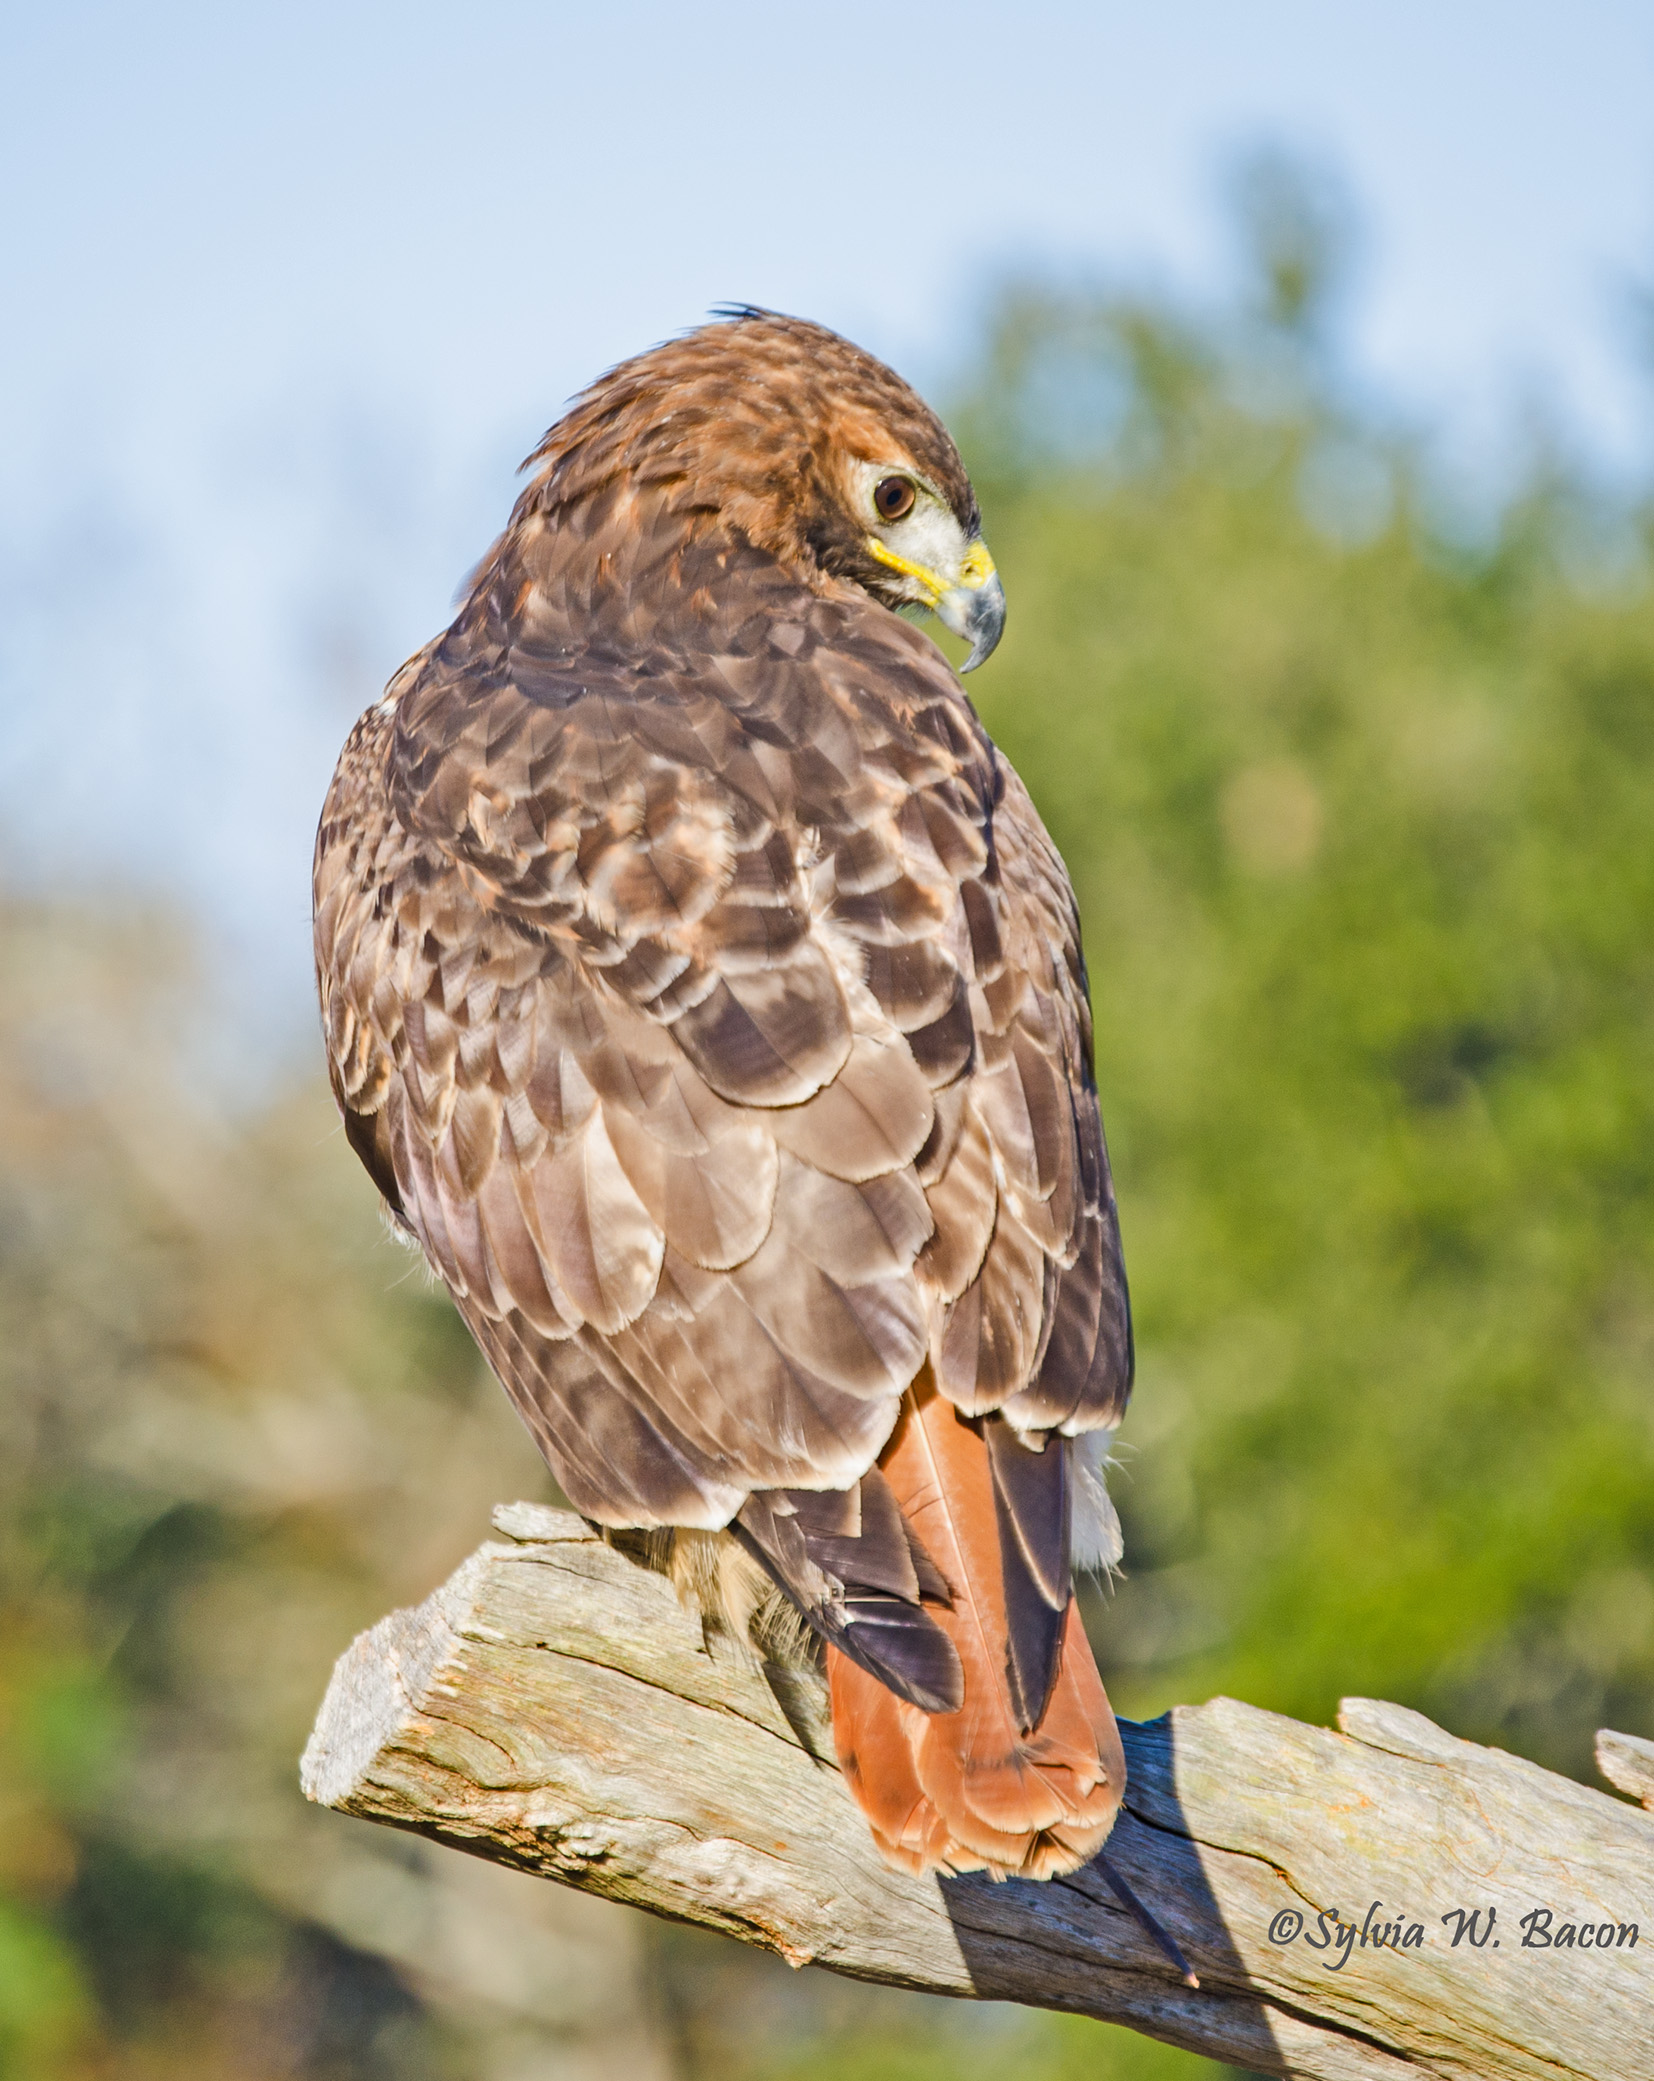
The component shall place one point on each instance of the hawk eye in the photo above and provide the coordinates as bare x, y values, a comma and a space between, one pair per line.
893, 497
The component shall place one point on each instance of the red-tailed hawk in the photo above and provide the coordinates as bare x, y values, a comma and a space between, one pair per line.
704, 994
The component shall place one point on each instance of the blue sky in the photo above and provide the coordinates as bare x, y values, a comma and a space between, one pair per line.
292, 288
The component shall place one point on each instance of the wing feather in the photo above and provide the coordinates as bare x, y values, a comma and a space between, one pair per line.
605, 1249
716, 1020
713, 1206
772, 1037
871, 1121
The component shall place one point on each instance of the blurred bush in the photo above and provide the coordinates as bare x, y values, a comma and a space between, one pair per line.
236, 1426
1359, 813
1360, 820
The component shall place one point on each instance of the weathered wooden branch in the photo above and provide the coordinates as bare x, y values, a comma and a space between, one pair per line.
554, 1707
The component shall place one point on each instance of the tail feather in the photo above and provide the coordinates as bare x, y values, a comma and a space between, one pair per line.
976, 1788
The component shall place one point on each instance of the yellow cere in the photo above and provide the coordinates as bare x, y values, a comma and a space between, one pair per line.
976, 568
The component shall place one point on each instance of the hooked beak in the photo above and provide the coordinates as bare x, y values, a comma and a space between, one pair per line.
975, 609
972, 604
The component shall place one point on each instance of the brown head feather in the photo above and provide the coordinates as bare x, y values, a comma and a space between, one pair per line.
753, 424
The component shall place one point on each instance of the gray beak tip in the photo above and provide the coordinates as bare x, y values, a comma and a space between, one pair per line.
978, 616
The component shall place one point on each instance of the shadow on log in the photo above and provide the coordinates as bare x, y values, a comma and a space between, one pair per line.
555, 1708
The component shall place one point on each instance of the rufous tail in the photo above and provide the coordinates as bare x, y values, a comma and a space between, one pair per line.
971, 1790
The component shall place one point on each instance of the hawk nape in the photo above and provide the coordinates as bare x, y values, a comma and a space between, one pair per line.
703, 993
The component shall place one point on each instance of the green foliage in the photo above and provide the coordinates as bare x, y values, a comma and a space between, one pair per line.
229, 1437
1360, 829
43, 2002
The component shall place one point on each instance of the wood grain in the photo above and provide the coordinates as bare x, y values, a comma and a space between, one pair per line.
1627, 1761
554, 1707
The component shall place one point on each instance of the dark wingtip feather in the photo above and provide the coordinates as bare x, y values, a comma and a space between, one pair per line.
934, 1586
860, 1590
1031, 1504
906, 1650
1031, 1507
1033, 1646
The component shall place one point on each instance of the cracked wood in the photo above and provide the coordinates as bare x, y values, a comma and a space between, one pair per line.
553, 1707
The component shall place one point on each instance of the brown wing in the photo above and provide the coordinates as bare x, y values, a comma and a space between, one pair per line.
717, 1024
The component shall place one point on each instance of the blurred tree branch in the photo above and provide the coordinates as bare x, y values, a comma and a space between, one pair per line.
553, 1707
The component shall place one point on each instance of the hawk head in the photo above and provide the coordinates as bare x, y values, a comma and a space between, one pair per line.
791, 437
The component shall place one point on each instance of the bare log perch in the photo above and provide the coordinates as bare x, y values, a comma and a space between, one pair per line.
555, 1708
